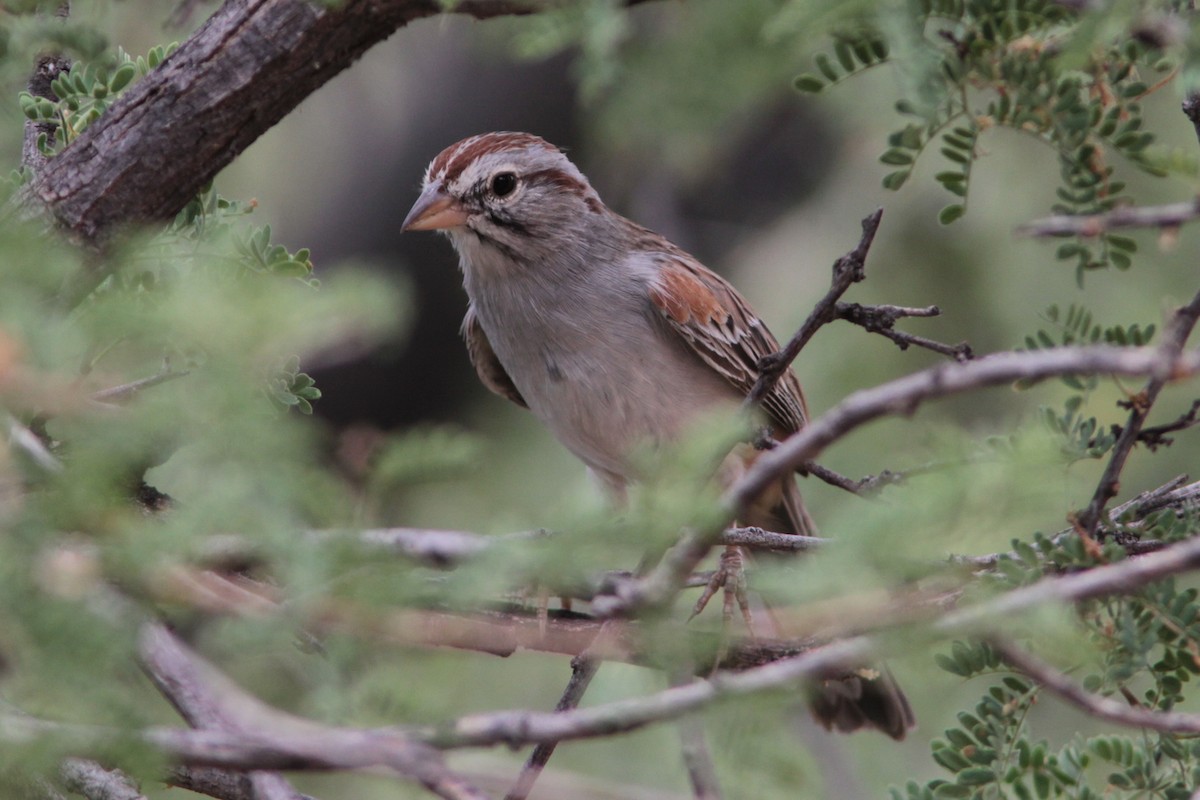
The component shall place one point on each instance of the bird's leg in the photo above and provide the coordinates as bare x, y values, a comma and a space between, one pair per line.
730, 577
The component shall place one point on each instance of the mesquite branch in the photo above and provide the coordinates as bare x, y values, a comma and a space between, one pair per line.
1174, 339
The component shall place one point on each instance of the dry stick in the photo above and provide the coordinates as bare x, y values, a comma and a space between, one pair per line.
242, 732
873, 484
447, 548
1102, 707
128, 391
882, 320
1167, 216
904, 395
583, 669
1174, 339
182, 684
298, 745
218, 783
517, 727
702, 773
301, 744
847, 270
1156, 436
97, 783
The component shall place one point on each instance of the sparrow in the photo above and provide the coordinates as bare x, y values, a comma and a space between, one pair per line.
615, 339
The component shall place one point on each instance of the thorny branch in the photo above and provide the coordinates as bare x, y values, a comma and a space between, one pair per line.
238, 731
1174, 495
1175, 337
847, 270
97, 783
519, 727
882, 320
1100, 707
180, 680
278, 741
1167, 216
1156, 436
905, 395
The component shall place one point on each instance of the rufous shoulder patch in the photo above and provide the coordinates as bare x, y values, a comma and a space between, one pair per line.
683, 296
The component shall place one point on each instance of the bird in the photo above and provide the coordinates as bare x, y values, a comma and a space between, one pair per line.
615, 339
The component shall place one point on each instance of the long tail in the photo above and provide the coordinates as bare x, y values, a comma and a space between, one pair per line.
869, 699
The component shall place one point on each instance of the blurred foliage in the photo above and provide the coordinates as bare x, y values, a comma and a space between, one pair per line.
226, 319
1032, 66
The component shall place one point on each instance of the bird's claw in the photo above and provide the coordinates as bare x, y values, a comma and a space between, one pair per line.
730, 577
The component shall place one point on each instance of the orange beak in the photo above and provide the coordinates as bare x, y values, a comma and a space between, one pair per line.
434, 211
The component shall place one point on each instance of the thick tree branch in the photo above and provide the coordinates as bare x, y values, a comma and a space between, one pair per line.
249, 65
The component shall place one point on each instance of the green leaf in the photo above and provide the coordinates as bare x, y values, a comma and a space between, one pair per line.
122, 77
808, 82
846, 58
951, 213
896, 157
976, 776
955, 156
826, 68
894, 180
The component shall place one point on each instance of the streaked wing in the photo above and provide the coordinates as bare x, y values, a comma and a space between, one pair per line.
487, 366
720, 327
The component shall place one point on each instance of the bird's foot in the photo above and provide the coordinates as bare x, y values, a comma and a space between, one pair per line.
730, 577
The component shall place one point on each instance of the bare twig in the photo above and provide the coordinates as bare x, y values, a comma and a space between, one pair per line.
583, 668
1156, 436
516, 727
301, 745
702, 773
904, 395
1174, 339
28, 443
882, 320
221, 710
847, 270
218, 783
1101, 707
1173, 494
97, 783
1168, 216
278, 741
181, 681
128, 391
873, 484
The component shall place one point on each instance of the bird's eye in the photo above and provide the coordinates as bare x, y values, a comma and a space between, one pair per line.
503, 184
